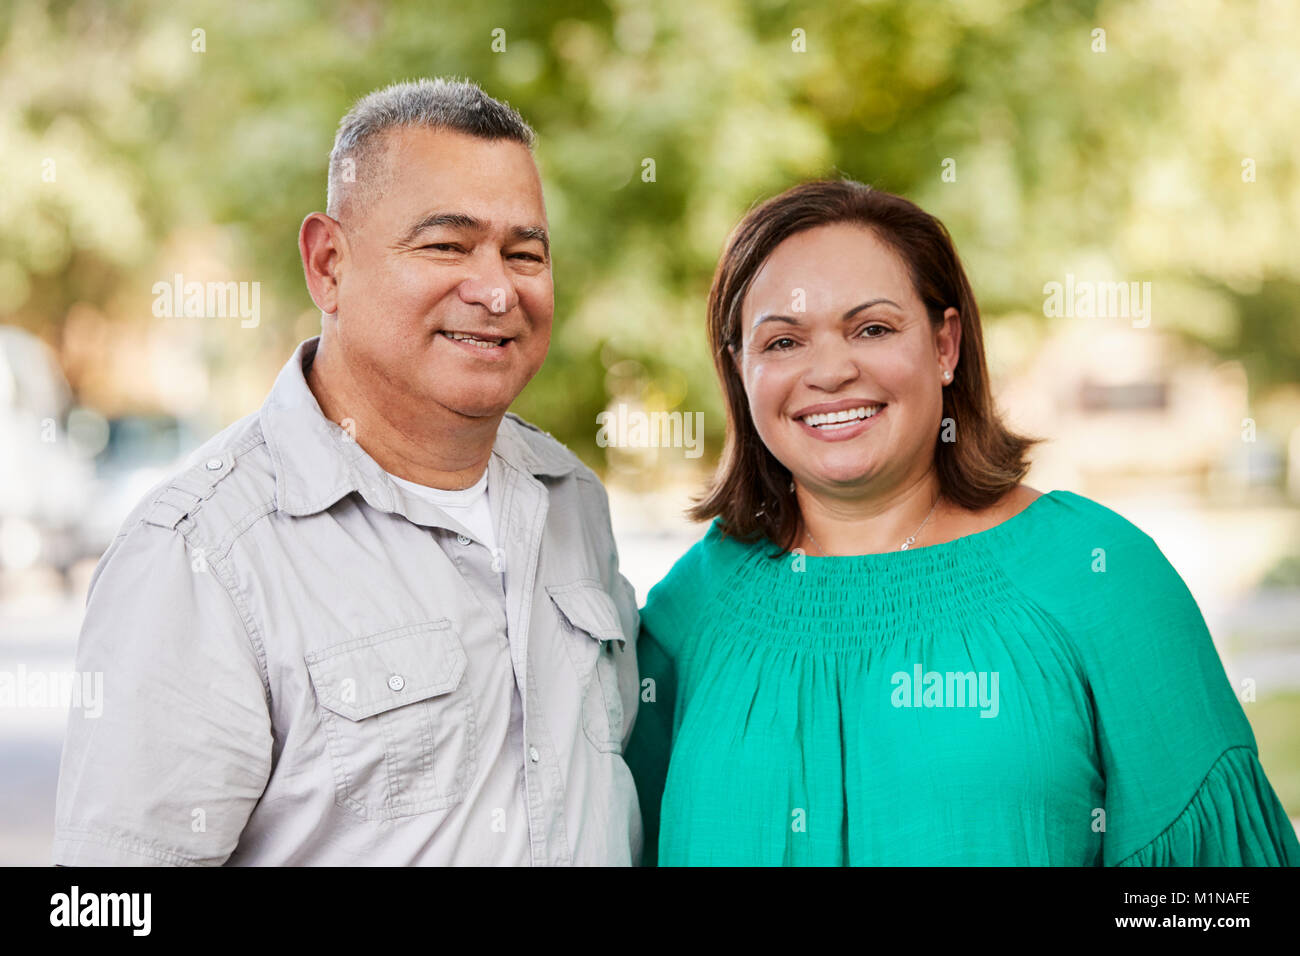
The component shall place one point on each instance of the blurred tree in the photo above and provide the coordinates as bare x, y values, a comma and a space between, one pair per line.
1142, 140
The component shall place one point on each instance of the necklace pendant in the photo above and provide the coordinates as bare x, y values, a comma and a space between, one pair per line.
908, 543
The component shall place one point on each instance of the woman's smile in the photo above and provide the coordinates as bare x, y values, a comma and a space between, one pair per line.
841, 424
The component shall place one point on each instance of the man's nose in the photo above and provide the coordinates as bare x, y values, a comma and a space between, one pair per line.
489, 285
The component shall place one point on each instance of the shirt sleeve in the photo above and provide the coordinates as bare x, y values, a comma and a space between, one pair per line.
624, 596
169, 769
649, 749
1183, 782
651, 739
668, 624
1235, 819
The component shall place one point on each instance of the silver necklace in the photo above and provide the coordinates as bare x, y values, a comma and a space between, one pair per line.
906, 544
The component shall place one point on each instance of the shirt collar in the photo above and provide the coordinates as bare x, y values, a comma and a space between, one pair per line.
317, 462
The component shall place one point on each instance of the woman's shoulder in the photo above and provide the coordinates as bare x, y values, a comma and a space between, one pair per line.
1062, 515
1071, 551
1092, 512
692, 579
702, 561
1066, 550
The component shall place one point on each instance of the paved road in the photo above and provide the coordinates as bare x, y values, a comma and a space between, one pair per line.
38, 634
39, 626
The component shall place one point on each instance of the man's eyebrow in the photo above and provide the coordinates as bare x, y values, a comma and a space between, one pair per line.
459, 220
435, 219
530, 233
767, 317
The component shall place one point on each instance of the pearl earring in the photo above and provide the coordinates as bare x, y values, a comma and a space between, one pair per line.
947, 376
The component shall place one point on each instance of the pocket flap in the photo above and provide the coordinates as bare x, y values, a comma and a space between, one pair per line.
588, 607
369, 675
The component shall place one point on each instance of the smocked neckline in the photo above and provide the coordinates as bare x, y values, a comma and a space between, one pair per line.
944, 549
851, 602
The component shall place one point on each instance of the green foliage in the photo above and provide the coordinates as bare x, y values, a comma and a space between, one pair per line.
1127, 162
1275, 720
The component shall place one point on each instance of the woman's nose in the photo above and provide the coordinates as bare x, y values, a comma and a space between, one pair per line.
831, 367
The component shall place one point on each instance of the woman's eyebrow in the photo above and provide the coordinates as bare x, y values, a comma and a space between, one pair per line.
769, 317
868, 304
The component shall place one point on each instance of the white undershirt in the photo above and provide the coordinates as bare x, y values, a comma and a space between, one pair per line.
471, 507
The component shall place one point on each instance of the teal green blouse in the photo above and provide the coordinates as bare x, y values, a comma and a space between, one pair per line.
1041, 693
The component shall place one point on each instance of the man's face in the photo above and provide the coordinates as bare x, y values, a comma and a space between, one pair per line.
453, 245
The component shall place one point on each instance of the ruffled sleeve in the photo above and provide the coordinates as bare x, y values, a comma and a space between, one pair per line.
1184, 786
1183, 781
1235, 819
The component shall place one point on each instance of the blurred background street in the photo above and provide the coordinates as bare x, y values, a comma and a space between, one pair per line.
1148, 144
1255, 624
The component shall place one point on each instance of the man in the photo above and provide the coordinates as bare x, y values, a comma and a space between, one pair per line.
380, 621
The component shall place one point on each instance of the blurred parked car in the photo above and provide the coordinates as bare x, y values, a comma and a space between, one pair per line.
140, 451
46, 473
68, 476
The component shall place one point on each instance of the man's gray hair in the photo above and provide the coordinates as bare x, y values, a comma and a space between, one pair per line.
449, 104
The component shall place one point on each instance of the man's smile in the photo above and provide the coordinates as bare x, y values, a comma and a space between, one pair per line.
481, 344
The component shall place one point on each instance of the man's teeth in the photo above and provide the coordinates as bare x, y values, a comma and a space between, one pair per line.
474, 340
837, 419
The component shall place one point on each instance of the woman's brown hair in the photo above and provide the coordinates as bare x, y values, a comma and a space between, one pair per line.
750, 493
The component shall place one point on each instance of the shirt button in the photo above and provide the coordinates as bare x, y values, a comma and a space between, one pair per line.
461, 539
396, 682
533, 755
213, 464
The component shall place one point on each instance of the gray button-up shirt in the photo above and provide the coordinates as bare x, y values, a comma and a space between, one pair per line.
305, 664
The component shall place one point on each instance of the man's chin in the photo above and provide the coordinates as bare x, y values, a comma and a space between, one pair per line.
480, 414
470, 396
474, 411
476, 408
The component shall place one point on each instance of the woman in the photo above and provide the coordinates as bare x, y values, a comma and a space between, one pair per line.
887, 650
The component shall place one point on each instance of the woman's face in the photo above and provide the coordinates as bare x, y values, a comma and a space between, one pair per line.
841, 365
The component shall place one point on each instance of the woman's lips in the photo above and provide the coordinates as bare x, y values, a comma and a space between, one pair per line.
842, 432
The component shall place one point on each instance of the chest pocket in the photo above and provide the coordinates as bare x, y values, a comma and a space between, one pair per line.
594, 640
398, 719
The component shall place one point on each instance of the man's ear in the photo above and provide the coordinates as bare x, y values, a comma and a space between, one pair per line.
322, 246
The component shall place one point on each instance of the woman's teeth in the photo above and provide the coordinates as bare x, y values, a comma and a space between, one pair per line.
830, 421
475, 340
